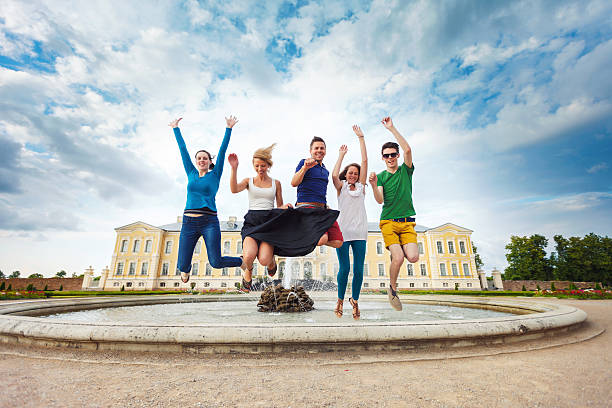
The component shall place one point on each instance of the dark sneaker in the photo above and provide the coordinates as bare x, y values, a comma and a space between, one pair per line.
246, 286
394, 299
272, 272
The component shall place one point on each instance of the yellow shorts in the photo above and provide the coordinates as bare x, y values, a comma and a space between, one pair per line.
394, 232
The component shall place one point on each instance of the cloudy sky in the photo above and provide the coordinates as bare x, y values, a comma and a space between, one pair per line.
507, 106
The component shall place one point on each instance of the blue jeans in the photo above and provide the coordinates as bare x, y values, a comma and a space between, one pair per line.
206, 226
359, 250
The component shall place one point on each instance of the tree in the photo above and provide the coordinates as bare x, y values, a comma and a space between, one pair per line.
36, 275
60, 274
527, 258
479, 263
587, 259
15, 274
2, 276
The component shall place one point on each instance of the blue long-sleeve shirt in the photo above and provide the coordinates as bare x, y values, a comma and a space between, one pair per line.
201, 191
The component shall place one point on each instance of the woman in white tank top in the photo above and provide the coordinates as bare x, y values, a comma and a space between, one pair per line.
263, 190
353, 221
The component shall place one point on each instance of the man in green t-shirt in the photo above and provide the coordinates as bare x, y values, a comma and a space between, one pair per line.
394, 191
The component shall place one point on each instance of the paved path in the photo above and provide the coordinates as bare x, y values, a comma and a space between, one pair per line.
571, 375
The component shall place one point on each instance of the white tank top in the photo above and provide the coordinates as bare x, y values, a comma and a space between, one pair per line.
353, 220
261, 198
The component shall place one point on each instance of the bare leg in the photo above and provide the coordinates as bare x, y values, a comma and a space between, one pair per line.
397, 259
266, 255
411, 251
322, 240
334, 244
249, 248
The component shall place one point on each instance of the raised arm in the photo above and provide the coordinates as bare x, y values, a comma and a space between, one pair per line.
299, 173
388, 123
363, 173
187, 164
336, 171
376, 189
230, 122
236, 187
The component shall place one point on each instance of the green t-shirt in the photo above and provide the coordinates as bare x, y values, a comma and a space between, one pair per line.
397, 190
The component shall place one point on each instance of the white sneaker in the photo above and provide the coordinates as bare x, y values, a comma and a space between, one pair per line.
394, 299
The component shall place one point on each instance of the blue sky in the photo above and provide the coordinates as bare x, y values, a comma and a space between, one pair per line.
507, 106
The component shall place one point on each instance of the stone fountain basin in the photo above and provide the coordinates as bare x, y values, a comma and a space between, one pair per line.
531, 320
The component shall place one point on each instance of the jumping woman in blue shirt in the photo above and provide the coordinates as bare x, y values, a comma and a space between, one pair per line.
200, 215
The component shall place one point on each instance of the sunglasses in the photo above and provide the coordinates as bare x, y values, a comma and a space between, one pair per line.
390, 155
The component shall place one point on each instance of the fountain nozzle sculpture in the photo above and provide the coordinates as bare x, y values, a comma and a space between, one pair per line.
278, 299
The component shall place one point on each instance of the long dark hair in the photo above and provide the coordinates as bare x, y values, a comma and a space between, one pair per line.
211, 165
342, 175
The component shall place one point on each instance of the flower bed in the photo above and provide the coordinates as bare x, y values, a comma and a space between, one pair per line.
576, 294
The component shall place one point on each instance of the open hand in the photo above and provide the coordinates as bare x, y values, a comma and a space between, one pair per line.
358, 131
343, 150
232, 159
231, 121
174, 123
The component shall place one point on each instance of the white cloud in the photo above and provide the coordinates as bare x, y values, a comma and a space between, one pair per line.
597, 168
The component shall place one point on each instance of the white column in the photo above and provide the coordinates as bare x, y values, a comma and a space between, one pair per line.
497, 280
482, 275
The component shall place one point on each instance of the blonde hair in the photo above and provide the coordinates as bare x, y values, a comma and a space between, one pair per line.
265, 154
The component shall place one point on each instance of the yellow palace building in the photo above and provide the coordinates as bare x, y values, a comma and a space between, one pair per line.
145, 258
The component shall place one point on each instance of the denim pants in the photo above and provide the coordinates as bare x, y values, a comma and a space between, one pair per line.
359, 250
206, 226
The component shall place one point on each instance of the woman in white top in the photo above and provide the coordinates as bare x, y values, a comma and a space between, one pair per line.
353, 221
263, 190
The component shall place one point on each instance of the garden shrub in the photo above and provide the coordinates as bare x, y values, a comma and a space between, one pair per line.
30, 287
552, 286
61, 288
2, 286
524, 289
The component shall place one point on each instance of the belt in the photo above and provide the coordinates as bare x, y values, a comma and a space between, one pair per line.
306, 204
406, 219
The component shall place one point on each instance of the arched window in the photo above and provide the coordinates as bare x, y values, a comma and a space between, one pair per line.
226, 247
379, 248
307, 270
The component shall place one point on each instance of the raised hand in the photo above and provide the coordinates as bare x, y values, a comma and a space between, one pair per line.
231, 121
174, 123
310, 163
373, 179
358, 131
288, 205
343, 150
387, 122
232, 159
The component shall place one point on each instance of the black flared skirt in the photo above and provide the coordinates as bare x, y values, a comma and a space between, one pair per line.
292, 231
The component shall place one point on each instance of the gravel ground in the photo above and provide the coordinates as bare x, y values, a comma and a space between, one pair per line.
526, 375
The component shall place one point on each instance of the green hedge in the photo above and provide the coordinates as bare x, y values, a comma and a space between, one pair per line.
72, 293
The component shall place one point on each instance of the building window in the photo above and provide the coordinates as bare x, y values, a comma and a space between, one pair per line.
165, 268
322, 249
423, 270
382, 284
412, 284
455, 270
451, 247
323, 271
140, 283
379, 248
366, 270
440, 248
128, 284
177, 272
442, 269
223, 284
195, 268
225, 272
132, 269
410, 269
120, 268
239, 247
144, 269
176, 284
445, 284
162, 284
116, 284
421, 250
206, 284
381, 270
424, 284
124, 245
148, 246
466, 269
168, 247
307, 270
237, 271
281, 268
366, 285
226, 247
136, 246
198, 247
469, 285
462, 247
208, 269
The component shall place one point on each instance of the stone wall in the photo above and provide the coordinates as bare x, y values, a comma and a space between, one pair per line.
40, 283
533, 284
